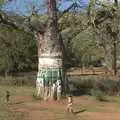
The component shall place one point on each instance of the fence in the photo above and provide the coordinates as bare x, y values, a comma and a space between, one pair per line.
90, 71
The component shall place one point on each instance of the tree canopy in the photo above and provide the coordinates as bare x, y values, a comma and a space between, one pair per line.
88, 35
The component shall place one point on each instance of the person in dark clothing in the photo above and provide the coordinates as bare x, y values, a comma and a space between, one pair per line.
7, 96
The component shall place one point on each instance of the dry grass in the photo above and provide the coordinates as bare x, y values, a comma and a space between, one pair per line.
6, 108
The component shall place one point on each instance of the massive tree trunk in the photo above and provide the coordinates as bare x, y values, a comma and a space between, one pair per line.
50, 58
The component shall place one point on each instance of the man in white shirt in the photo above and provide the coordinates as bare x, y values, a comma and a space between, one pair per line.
59, 89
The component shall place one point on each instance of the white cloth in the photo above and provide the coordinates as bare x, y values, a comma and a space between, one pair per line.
58, 82
53, 86
59, 89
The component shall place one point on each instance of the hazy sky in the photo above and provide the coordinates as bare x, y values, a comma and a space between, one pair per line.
23, 6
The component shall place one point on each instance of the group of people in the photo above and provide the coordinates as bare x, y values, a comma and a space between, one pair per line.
49, 89
57, 89
53, 90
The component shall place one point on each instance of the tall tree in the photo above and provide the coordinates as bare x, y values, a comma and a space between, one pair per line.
106, 26
50, 55
49, 42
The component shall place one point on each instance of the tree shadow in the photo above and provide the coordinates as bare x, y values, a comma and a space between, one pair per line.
79, 111
16, 103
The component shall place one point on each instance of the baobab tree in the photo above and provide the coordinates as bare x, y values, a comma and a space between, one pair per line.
50, 52
50, 55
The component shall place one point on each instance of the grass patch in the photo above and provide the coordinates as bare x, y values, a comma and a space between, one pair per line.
114, 99
17, 90
95, 109
14, 91
99, 95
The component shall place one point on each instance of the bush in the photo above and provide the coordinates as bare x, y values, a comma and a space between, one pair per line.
109, 86
84, 84
79, 86
99, 95
18, 80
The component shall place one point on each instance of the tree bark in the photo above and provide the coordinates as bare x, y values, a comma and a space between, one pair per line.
116, 3
110, 57
115, 58
50, 58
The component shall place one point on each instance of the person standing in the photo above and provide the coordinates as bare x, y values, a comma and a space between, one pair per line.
70, 104
59, 89
53, 91
7, 96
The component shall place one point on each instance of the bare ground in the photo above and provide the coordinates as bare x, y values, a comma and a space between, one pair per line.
53, 110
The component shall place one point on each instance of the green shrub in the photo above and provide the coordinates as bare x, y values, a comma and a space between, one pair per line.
98, 94
84, 84
80, 85
109, 86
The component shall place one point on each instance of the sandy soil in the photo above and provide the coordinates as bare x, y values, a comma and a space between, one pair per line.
53, 110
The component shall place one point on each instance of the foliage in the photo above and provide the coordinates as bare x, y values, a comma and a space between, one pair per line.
83, 85
79, 40
106, 29
99, 95
2, 2
17, 51
109, 86
85, 37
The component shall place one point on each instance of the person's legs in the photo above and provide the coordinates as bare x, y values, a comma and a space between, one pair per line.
69, 108
58, 96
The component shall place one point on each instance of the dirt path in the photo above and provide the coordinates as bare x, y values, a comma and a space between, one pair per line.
52, 110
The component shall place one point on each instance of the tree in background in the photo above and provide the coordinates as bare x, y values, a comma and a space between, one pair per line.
17, 50
105, 22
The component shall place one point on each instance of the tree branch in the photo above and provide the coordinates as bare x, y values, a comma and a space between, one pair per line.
4, 20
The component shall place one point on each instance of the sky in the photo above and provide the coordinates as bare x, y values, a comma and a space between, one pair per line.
23, 6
